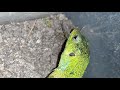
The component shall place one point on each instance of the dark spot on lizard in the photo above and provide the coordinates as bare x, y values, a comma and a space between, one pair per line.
71, 54
71, 72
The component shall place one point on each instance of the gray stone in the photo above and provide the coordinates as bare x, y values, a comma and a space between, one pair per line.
28, 51
0, 38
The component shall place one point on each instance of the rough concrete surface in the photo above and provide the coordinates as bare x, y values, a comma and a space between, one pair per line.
30, 49
103, 32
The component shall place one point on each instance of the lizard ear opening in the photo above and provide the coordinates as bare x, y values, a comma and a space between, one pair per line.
71, 54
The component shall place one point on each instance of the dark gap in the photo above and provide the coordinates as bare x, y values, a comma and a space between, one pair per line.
62, 49
59, 56
72, 30
49, 74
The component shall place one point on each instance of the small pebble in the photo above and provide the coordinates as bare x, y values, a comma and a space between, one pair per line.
38, 41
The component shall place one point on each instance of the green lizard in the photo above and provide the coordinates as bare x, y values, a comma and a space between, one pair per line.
75, 57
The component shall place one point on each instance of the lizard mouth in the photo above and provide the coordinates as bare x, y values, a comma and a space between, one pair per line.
72, 30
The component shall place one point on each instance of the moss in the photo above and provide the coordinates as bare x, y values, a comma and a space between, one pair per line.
48, 22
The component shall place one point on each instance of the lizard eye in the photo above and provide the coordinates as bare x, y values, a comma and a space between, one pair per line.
71, 54
75, 37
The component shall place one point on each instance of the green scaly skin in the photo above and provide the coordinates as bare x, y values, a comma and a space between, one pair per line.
74, 59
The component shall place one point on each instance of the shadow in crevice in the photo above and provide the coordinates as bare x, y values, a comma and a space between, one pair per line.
59, 56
